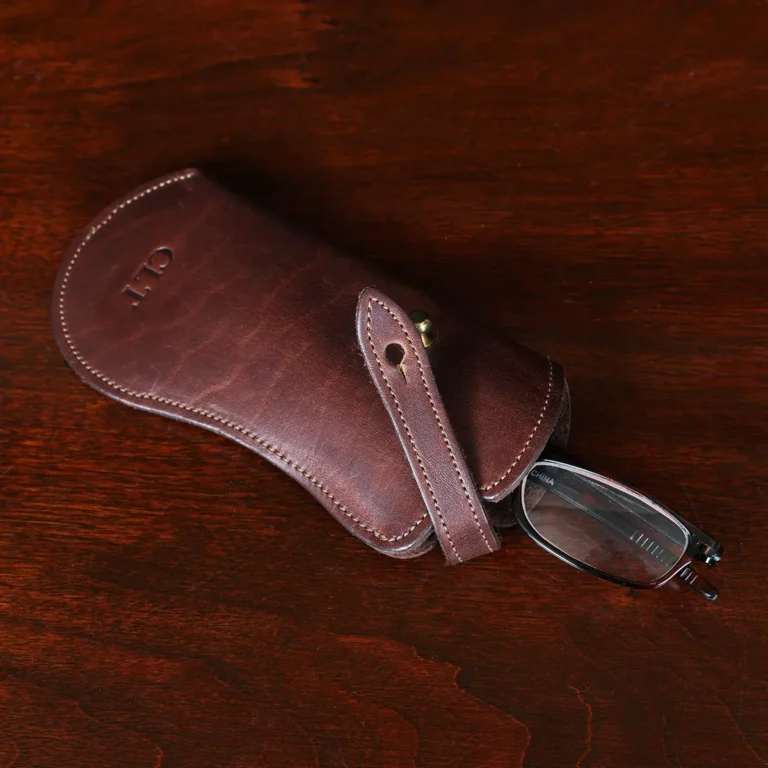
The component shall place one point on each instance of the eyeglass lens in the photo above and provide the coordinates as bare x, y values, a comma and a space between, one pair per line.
599, 524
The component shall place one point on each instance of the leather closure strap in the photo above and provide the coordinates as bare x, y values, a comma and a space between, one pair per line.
399, 366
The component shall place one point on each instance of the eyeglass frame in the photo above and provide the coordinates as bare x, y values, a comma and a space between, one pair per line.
700, 547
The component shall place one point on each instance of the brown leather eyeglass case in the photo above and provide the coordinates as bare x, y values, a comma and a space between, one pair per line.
183, 300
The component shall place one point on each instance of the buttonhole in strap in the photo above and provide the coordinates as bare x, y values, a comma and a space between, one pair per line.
395, 355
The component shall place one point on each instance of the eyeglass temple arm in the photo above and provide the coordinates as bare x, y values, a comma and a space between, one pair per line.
704, 549
688, 575
698, 582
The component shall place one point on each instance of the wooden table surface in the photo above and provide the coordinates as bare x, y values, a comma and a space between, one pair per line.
591, 178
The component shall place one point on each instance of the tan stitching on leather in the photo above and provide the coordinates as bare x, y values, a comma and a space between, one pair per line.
530, 437
437, 416
407, 429
199, 411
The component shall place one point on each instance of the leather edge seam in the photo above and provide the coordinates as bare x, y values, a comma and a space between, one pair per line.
183, 176
527, 444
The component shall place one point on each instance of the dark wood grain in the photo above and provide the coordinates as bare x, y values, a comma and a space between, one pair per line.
589, 177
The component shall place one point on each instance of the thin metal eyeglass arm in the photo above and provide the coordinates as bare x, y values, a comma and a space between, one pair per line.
706, 549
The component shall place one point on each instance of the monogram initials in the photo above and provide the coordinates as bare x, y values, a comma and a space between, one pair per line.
152, 269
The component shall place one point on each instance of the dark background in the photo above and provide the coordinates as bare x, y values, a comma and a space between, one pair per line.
588, 177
